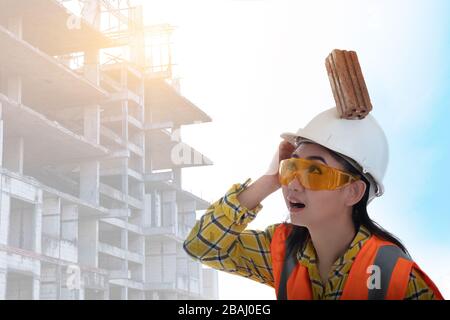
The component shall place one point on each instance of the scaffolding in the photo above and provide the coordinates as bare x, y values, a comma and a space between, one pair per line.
147, 48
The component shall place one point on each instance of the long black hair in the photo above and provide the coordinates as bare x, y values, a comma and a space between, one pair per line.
360, 216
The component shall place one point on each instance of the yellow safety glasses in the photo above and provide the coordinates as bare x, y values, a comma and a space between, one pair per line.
313, 175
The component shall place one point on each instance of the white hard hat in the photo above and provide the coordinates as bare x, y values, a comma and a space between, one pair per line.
361, 142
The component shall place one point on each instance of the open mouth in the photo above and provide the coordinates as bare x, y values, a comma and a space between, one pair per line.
296, 205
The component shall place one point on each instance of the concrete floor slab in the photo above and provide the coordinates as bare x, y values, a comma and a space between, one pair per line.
47, 25
46, 83
164, 104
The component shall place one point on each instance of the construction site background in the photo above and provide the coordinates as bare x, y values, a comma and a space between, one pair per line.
92, 204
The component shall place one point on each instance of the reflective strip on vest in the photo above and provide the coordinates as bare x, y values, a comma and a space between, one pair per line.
290, 263
386, 259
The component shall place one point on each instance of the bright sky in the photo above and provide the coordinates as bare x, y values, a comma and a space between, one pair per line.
257, 68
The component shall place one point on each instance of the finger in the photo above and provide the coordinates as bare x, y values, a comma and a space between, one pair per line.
286, 145
286, 150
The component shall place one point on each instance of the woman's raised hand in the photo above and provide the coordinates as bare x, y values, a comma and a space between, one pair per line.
269, 182
284, 151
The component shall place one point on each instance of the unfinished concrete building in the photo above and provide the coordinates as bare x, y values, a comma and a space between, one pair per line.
92, 205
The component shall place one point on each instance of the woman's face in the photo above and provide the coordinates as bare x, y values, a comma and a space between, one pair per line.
321, 206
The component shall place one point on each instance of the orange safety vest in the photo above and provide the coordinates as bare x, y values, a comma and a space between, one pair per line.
292, 279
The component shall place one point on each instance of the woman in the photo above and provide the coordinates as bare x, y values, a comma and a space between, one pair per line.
328, 171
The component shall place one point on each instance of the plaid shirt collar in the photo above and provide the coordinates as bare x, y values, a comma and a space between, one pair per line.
308, 255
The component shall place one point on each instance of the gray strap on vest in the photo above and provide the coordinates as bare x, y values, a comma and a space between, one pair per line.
386, 259
290, 262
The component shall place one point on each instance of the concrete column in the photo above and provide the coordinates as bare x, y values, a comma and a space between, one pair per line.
88, 242
13, 148
125, 137
4, 226
25, 223
51, 217
69, 229
124, 239
69, 222
137, 189
124, 176
1, 134
81, 294
35, 294
2, 275
170, 209
14, 88
177, 171
156, 210
142, 105
90, 182
124, 245
92, 123
147, 212
37, 221
14, 154
106, 292
91, 66
124, 293
5, 209
90, 171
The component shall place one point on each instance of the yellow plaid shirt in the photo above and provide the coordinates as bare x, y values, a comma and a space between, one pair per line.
220, 240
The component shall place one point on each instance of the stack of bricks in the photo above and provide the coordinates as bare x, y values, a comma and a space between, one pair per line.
348, 85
